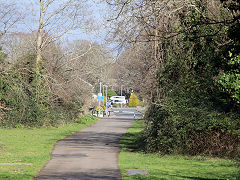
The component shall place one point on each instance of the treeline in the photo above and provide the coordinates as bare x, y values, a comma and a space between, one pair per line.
183, 57
61, 94
46, 80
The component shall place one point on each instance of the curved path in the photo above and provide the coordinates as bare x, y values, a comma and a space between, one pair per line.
91, 153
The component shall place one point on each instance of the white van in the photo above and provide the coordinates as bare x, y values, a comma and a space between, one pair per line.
118, 99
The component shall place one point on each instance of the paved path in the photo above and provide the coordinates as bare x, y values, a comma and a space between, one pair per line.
91, 153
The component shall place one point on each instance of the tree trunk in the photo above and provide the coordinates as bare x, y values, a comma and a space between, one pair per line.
39, 47
39, 41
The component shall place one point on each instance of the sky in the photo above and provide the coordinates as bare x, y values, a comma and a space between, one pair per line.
30, 8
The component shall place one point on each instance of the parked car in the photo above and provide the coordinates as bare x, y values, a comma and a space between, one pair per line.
118, 99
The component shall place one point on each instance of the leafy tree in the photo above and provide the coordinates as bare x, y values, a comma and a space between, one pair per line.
189, 45
111, 93
229, 81
133, 100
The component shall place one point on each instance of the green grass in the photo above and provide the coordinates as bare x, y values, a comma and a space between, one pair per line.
170, 166
32, 146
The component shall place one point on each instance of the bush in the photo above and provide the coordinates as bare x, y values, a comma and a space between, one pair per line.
229, 82
23, 108
26, 99
192, 121
21, 101
133, 100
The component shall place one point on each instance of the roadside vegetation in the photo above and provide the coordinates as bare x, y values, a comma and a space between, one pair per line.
45, 80
133, 100
34, 146
172, 166
183, 59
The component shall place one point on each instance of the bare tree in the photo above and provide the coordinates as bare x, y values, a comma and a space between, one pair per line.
136, 69
89, 61
56, 19
145, 29
18, 44
9, 17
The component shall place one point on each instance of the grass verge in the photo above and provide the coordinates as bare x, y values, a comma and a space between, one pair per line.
32, 146
170, 166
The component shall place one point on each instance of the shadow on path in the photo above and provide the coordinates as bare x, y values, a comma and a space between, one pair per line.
96, 174
91, 153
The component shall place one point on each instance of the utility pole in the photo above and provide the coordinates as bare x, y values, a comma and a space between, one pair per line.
99, 111
121, 94
103, 94
106, 101
121, 89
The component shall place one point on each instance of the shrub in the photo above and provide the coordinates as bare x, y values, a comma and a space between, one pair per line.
21, 101
190, 120
27, 99
21, 107
133, 100
229, 81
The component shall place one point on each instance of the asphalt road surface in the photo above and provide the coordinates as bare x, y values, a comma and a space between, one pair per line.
91, 153
127, 113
